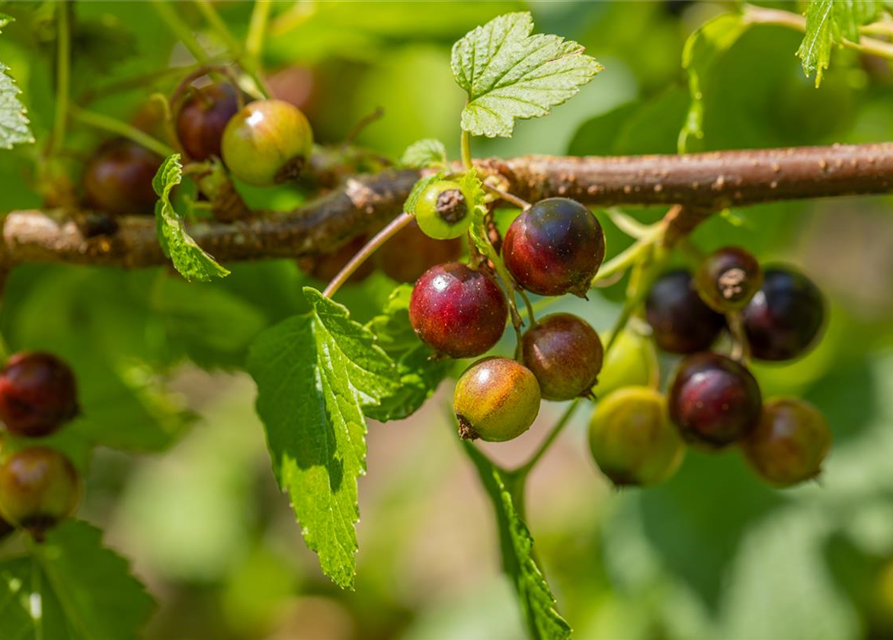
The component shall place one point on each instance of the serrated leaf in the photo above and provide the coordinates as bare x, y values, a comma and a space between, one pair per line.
315, 373
474, 190
72, 588
509, 74
537, 602
424, 153
189, 259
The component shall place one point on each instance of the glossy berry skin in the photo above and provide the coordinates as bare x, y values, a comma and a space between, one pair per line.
443, 210
203, 117
680, 321
39, 487
728, 278
785, 317
713, 400
267, 142
789, 443
632, 440
118, 178
457, 311
554, 247
496, 399
38, 394
411, 252
565, 354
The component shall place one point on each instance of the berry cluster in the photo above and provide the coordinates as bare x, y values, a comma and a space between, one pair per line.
39, 486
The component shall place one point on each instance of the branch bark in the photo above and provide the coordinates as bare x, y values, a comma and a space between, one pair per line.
700, 183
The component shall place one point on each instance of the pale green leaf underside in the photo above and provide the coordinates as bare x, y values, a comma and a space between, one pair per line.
13, 121
424, 153
509, 74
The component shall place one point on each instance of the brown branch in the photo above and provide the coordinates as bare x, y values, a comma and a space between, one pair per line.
701, 183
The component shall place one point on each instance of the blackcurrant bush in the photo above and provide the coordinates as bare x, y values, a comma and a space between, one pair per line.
203, 117
565, 354
39, 487
268, 142
785, 316
554, 247
457, 311
631, 361
789, 442
443, 210
632, 440
714, 400
37, 394
679, 319
496, 399
728, 278
118, 178
410, 253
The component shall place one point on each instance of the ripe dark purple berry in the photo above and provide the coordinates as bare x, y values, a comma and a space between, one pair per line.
713, 400
496, 399
728, 278
118, 178
203, 117
554, 247
680, 320
39, 487
789, 443
457, 311
38, 394
565, 354
785, 316
411, 252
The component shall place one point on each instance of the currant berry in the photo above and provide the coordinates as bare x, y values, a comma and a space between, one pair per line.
118, 178
680, 320
714, 400
326, 267
565, 354
410, 253
631, 439
728, 278
496, 399
554, 247
789, 443
457, 311
268, 142
39, 487
631, 361
37, 394
443, 210
203, 117
785, 316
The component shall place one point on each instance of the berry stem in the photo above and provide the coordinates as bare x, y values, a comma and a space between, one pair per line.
257, 29
63, 76
563, 421
181, 30
740, 347
107, 123
627, 224
508, 197
218, 25
466, 151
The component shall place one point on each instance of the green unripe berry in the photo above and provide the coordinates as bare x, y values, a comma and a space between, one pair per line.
631, 361
496, 399
632, 439
443, 210
268, 142
39, 487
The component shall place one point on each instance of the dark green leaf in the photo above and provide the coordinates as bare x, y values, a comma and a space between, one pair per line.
14, 123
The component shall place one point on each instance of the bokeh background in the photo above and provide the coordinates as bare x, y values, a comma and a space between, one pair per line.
712, 554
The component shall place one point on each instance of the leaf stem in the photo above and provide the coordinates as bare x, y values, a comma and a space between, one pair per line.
466, 150
181, 30
563, 421
107, 123
63, 76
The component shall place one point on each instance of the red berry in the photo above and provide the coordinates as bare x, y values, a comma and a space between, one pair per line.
118, 178
680, 320
457, 311
554, 247
714, 400
565, 354
203, 117
37, 394
39, 487
411, 252
728, 278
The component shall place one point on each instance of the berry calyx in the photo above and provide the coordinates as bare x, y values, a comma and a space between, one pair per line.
443, 210
714, 400
496, 399
202, 118
554, 247
406, 256
118, 178
38, 394
39, 487
267, 142
728, 278
565, 354
680, 321
785, 317
632, 440
789, 443
457, 311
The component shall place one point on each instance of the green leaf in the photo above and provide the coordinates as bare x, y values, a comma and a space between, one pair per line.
14, 123
189, 259
72, 588
537, 602
315, 373
472, 186
424, 153
509, 74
